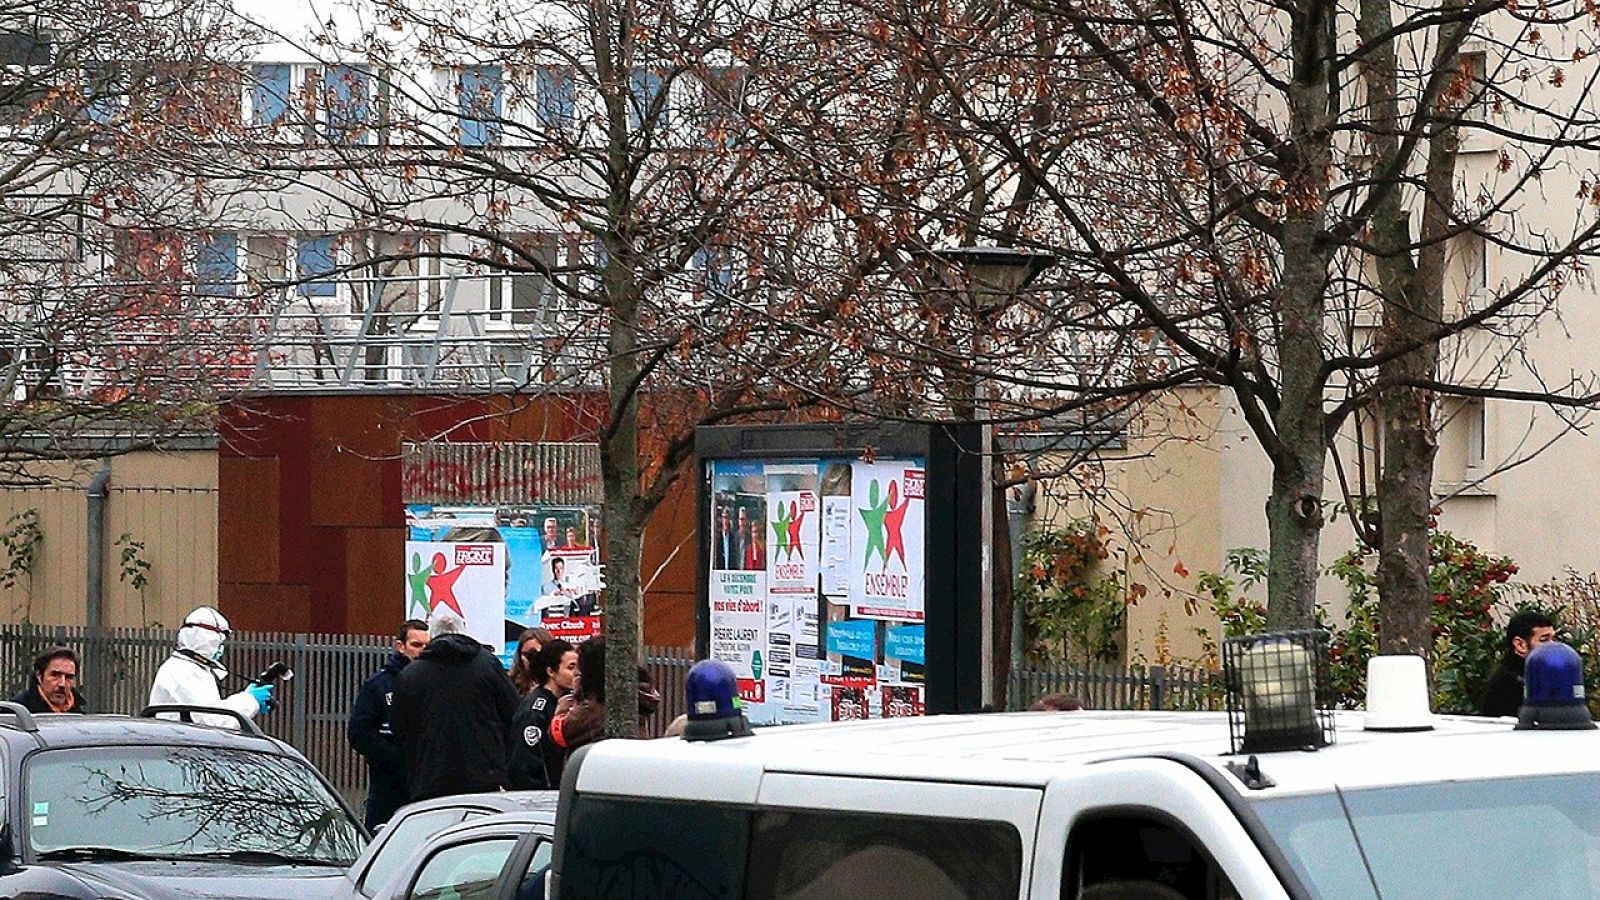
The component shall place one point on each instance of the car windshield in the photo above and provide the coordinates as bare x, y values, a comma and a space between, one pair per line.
183, 802
1533, 837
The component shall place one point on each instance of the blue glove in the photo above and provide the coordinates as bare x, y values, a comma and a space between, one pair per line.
262, 694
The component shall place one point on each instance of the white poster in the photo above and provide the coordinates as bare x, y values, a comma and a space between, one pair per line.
739, 621
886, 540
469, 579
793, 544
836, 546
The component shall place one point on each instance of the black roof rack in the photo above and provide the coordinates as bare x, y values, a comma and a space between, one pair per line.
186, 713
24, 718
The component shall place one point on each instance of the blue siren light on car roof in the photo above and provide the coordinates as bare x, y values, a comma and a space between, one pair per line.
1553, 694
712, 693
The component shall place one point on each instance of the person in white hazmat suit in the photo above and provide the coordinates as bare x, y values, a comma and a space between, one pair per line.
190, 674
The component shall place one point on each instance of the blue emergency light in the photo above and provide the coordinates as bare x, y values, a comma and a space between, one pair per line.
712, 692
1553, 695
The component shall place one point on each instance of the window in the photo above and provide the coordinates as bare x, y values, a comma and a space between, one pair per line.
269, 95
105, 92
24, 75
266, 262
1475, 414
1475, 104
816, 855
481, 93
555, 98
464, 871
714, 271
1469, 838
520, 288
347, 104
647, 102
402, 838
181, 801
693, 849
537, 864
216, 265
1133, 856
315, 260
721, 96
1475, 262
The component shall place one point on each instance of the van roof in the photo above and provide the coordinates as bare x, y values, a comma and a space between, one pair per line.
1029, 749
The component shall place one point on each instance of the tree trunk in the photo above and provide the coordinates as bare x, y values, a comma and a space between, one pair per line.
1294, 509
1003, 578
1413, 304
624, 518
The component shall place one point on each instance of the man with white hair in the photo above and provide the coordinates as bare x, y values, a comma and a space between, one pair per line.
452, 714
189, 676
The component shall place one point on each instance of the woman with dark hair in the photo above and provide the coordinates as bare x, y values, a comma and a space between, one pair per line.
523, 675
536, 759
581, 719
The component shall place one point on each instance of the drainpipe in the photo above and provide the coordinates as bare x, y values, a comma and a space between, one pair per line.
1019, 509
97, 493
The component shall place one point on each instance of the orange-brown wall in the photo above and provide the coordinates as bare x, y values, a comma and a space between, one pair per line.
311, 524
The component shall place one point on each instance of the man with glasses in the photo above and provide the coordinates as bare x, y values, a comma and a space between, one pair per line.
190, 675
369, 731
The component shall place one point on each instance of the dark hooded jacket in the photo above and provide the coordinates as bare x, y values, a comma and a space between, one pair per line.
1503, 697
371, 736
34, 702
452, 713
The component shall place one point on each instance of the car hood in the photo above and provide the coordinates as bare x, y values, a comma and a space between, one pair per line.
204, 880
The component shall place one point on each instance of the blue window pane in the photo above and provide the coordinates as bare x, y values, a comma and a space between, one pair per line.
348, 90
216, 266
716, 272
314, 258
269, 94
644, 87
105, 94
555, 97
480, 106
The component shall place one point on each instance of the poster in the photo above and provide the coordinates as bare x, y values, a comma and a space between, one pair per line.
552, 577
819, 614
467, 578
886, 536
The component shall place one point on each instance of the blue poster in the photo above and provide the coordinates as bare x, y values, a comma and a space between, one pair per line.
905, 643
858, 638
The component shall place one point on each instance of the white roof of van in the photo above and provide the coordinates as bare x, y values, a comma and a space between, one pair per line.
1028, 749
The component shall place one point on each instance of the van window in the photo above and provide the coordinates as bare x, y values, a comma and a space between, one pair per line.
647, 849
1131, 857
821, 855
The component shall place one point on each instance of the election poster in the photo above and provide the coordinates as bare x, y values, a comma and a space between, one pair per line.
466, 578
886, 537
815, 585
551, 572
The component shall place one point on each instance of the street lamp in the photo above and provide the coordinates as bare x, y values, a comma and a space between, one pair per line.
987, 279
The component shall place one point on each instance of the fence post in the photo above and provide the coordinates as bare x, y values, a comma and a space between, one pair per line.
1158, 687
298, 705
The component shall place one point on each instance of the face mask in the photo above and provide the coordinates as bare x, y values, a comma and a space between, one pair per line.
216, 655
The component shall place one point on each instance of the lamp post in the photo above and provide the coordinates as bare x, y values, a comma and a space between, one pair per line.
988, 279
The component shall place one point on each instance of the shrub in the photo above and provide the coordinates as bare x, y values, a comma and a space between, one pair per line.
1073, 610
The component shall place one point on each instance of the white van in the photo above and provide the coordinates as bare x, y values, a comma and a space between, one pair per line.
1083, 806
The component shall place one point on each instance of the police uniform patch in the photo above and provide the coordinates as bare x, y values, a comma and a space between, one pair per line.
538, 703
531, 735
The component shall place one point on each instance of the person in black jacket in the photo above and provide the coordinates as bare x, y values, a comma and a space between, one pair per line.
369, 730
1525, 631
452, 712
54, 685
536, 760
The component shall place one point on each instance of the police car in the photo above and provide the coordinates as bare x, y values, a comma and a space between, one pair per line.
1396, 803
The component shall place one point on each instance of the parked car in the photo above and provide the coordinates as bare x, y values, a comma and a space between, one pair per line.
498, 857
415, 823
136, 808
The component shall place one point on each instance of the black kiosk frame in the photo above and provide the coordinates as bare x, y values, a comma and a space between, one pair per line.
953, 677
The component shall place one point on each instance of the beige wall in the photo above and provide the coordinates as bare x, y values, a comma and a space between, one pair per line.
168, 501
1160, 495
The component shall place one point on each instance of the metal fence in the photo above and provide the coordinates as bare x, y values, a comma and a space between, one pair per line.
1115, 687
120, 664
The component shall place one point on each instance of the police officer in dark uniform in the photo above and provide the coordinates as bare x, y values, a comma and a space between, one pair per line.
370, 735
536, 759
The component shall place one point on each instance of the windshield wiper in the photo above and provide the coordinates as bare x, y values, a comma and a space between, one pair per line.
265, 856
88, 853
